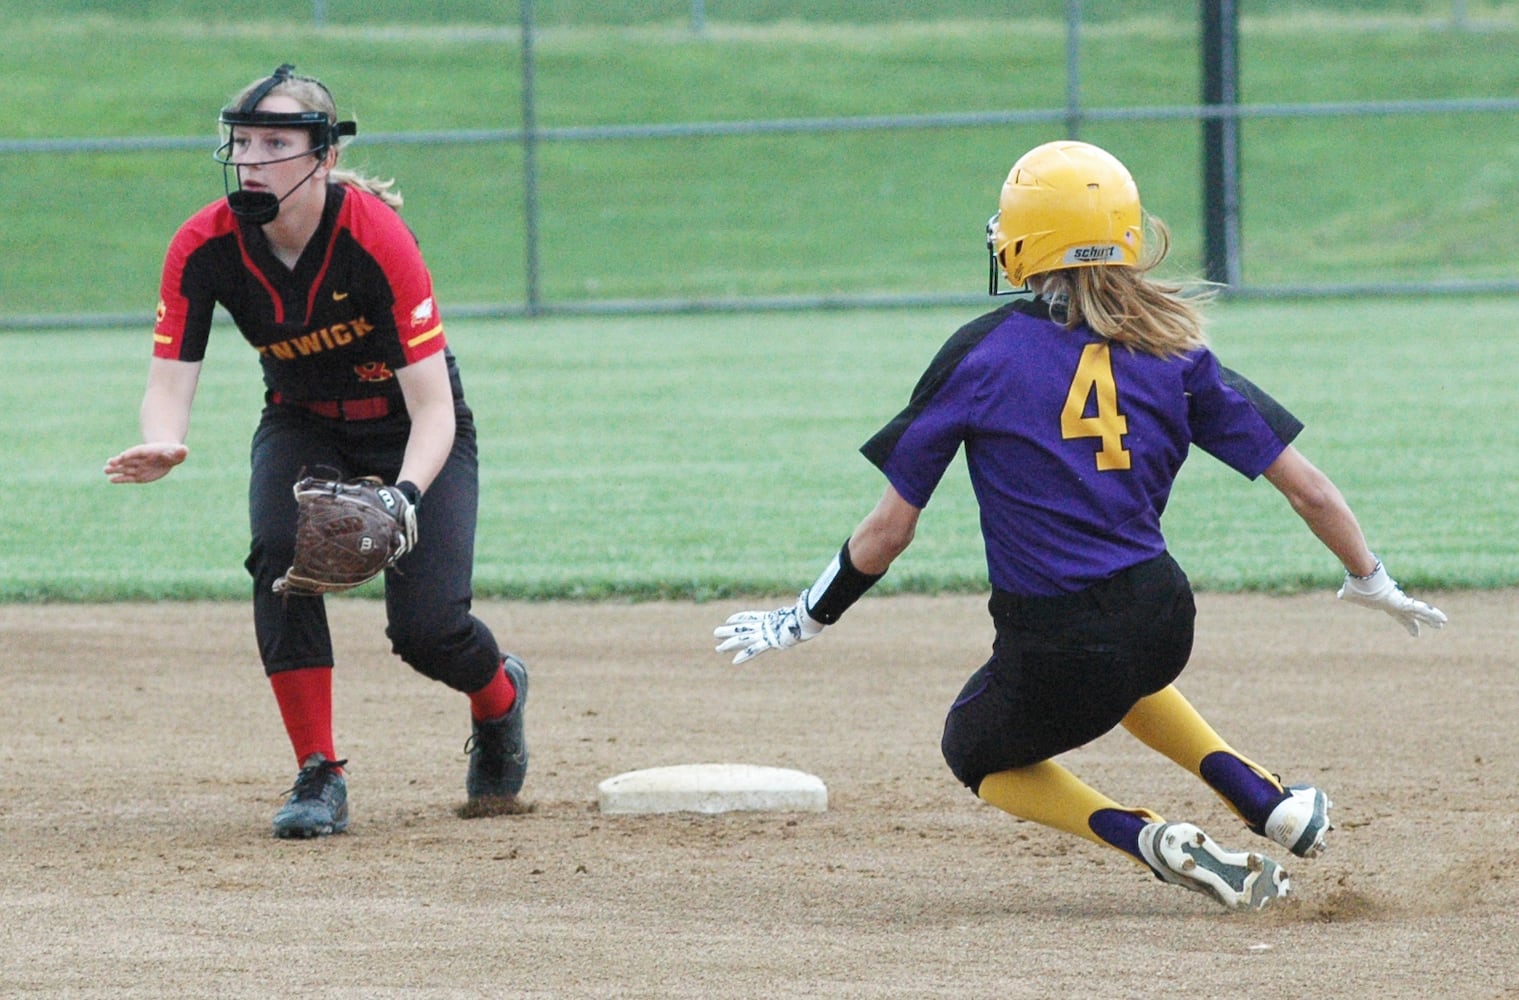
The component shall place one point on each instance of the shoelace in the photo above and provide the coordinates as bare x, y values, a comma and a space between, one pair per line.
491, 739
312, 779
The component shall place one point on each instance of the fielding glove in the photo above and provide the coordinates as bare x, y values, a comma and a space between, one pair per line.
346, 534
753, 632
1381, 591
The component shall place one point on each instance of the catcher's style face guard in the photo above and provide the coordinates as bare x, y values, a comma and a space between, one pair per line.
261, 207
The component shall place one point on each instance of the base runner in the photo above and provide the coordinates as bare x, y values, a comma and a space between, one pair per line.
1076, 409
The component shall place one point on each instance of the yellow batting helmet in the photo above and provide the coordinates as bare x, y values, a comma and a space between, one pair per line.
1065, 204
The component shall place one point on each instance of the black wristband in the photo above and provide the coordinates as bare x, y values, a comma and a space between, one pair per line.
408, 489
839, 587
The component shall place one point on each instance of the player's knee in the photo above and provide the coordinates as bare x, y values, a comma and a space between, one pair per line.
455, 654
418, 643
964, 763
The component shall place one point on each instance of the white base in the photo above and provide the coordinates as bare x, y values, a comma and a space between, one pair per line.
712, 788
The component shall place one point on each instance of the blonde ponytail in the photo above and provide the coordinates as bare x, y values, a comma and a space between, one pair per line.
380, 189
1126, 305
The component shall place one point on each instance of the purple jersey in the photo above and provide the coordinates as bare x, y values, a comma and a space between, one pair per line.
1072, 442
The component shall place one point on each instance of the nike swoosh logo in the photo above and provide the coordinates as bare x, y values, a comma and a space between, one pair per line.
339, 296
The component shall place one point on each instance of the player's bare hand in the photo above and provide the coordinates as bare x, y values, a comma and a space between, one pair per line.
144, 463
753, 632
1382, 592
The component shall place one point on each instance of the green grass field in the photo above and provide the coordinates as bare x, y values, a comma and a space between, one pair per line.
707, 456
1325, 200
703, 455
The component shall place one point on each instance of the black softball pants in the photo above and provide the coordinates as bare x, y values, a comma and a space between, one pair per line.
1067, 669
428, 593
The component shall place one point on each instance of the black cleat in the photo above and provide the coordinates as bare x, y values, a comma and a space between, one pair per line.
318, 803
497, 748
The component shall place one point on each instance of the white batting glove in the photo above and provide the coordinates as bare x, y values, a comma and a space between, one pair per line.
753, 632
405, 513
1382, 592
408, 519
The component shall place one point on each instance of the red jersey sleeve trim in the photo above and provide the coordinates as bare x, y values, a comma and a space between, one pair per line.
385, 237
424, 345
171, 320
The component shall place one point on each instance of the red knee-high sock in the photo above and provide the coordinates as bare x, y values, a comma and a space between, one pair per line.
494, 700
305, 700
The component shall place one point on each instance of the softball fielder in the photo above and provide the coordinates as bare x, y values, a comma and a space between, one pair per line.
327, 283
1076, 409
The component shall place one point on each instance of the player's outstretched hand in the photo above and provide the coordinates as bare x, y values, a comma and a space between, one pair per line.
144, 463
753, 632
1382, 592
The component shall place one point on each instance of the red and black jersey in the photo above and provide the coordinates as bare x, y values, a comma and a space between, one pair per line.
357, 307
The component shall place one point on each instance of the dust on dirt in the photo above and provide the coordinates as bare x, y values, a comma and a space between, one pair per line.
143, 759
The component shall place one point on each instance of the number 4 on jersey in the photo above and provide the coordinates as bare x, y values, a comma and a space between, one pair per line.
1094, 378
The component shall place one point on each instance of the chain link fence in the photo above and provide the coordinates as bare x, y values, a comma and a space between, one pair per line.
530, 141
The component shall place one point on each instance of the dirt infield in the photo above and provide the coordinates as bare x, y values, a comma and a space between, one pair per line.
143, 758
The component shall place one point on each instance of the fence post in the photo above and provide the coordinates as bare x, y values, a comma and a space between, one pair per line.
1220, 59
1073, 69
529, 162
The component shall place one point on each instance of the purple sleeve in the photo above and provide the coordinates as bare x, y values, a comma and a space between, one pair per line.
924, 451
1235, 421
915, 448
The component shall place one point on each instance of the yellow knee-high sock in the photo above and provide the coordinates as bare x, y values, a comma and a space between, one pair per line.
1167, 723
1047, 793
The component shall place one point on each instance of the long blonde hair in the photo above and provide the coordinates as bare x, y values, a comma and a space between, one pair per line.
312, 95
1127, 305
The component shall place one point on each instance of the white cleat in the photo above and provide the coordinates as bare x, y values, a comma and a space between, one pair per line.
1182, 854
1300, 821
